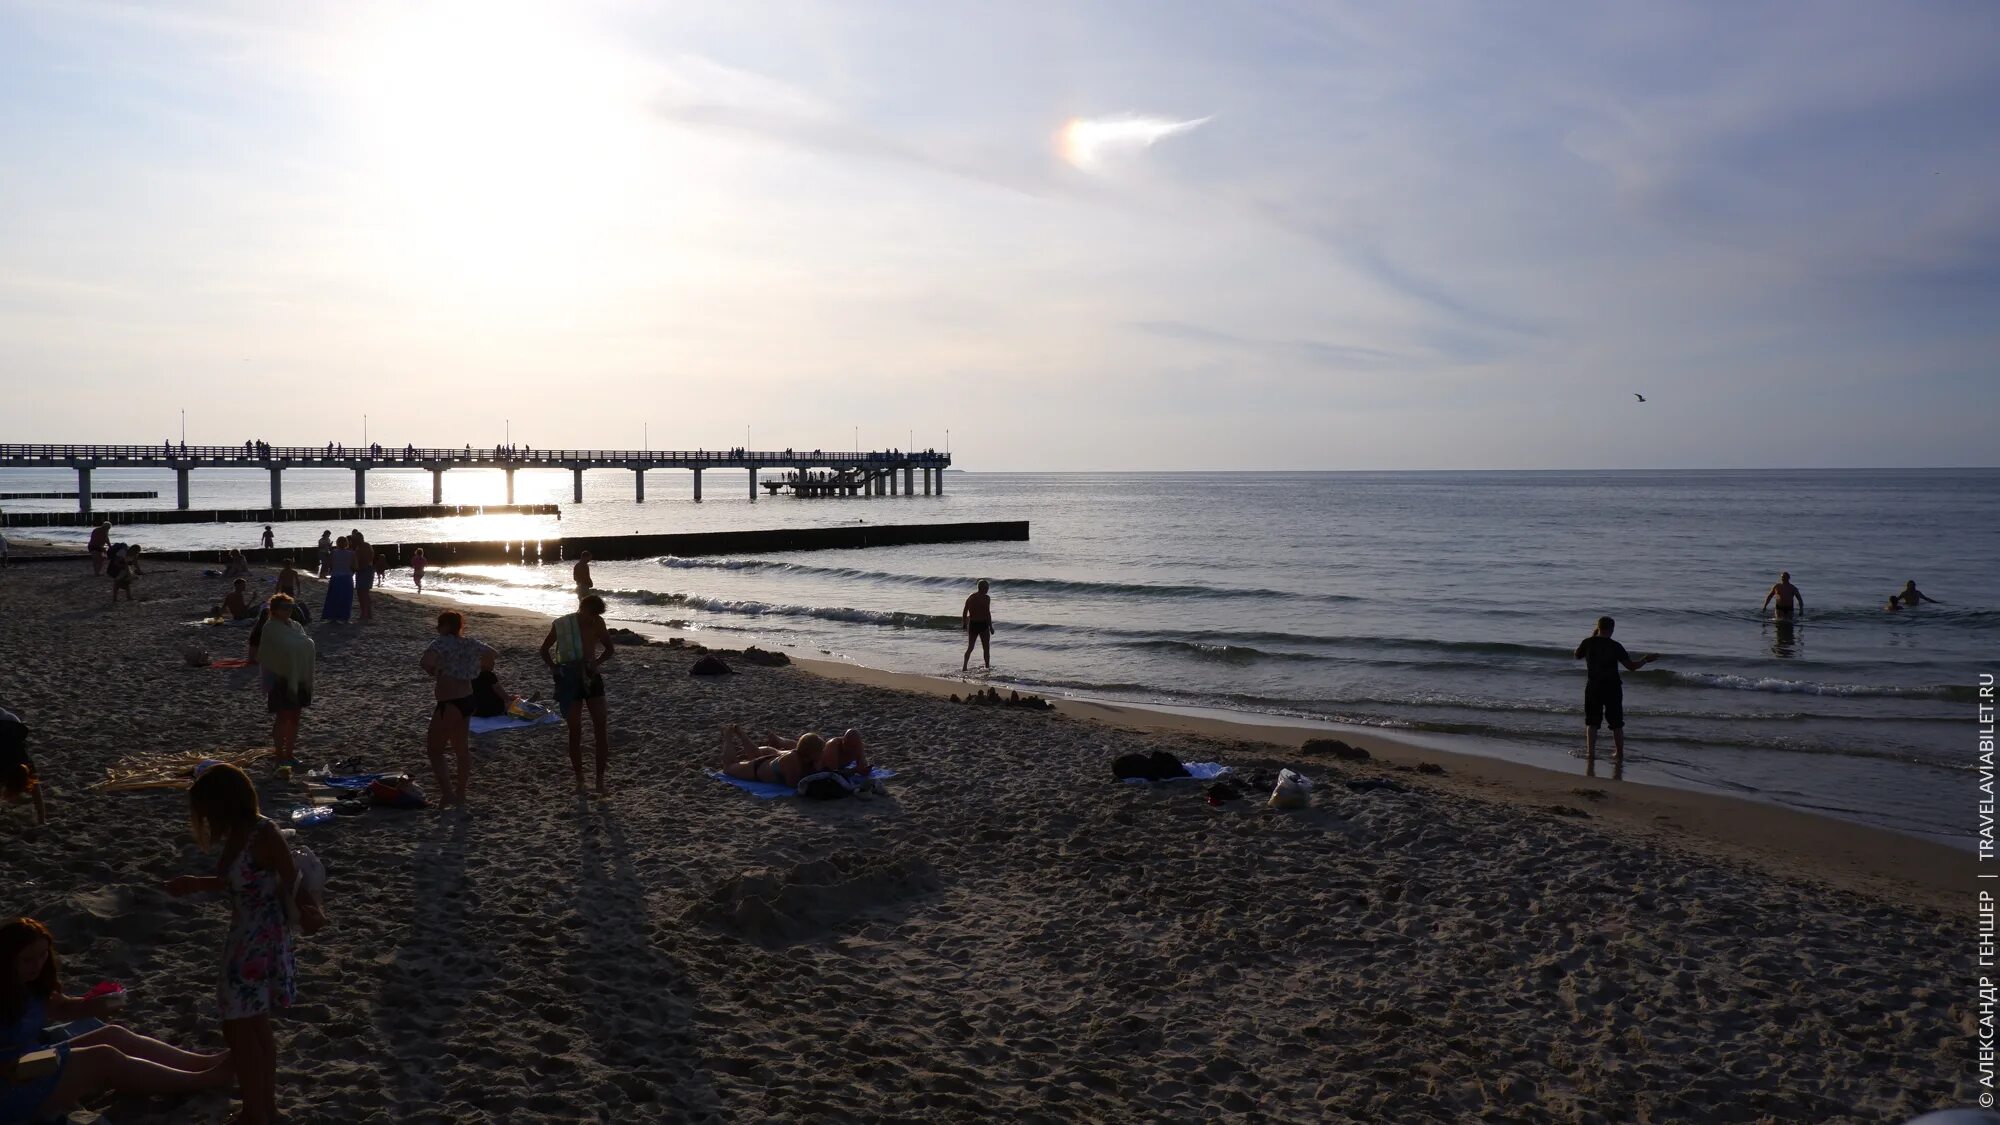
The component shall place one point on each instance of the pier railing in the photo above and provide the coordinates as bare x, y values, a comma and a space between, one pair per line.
165, 454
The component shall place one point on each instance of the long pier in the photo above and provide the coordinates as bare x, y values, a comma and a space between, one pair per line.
275, 515
612, 547
880, 469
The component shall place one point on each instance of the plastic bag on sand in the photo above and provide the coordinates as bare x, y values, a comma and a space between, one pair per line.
1294, 791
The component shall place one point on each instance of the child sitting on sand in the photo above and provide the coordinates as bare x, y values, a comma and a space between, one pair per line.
17, 771
124, 567
258, 875
109, 1058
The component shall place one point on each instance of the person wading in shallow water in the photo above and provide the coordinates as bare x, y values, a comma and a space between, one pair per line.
1790, 601
978, 618
1604, 693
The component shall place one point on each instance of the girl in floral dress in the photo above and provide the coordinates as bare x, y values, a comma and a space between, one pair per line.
258, 972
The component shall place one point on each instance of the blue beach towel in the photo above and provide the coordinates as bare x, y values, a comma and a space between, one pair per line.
1197, 771
771, 790
509, 722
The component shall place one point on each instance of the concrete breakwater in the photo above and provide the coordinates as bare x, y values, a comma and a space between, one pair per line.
610, 547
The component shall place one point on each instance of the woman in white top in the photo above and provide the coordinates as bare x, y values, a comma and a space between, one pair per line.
454, 660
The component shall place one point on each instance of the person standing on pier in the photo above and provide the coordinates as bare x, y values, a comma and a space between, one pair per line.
978, 618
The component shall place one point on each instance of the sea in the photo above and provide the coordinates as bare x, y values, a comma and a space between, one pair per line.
1439, 607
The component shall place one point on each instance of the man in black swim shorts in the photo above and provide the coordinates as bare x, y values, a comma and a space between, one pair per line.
1604, 693
978, 618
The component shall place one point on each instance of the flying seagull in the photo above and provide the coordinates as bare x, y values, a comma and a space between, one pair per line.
1637, 395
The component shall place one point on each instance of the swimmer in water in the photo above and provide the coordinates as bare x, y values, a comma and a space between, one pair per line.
1790, 601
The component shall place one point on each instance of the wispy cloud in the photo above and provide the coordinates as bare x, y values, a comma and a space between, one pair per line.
1091, 143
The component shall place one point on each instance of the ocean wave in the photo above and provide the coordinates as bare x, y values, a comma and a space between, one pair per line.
895, 619
1224, 653
1048, 585
1728, 682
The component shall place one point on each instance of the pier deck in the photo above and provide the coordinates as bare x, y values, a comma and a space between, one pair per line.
881, 468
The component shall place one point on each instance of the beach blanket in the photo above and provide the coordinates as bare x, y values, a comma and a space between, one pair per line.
1197, 771
509, 722
771, 790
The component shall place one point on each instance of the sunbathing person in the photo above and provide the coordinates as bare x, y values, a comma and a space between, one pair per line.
110, 1058
780, 761
786, 761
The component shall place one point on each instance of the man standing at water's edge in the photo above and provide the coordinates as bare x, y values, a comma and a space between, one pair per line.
978, 618
1604, 693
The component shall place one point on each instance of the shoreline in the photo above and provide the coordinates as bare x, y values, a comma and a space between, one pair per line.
1786, 842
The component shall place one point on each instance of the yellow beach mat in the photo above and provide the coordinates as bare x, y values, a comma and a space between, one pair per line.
139, 772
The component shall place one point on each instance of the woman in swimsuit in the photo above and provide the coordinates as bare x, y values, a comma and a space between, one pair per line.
781, 762
454, 660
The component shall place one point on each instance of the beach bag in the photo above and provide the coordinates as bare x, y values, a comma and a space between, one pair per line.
1293, 791
311, 891
1156, 766
827, 786
396, 793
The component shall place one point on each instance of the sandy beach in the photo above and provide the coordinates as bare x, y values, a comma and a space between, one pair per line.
1008, 934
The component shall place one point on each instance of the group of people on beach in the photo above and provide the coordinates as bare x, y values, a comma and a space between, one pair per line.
49, 1062
44, 1072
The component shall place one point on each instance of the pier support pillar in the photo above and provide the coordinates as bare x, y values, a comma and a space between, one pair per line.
181, 488
909, 480
361, 488
940, 482
697, 486
578, 490
753, 482
510, 484
927, 480
639, 485
892, 481
277, 488
437, 486
83, 488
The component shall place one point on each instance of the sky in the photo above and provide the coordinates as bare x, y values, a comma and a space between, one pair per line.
1064, 236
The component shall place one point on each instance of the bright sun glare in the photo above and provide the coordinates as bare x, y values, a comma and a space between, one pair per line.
492, 139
